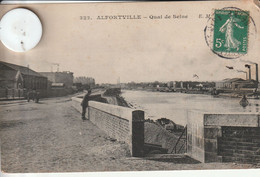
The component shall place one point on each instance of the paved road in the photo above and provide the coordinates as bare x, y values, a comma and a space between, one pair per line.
51, 137
48, 136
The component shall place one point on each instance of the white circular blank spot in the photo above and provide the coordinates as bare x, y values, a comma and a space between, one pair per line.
20, 30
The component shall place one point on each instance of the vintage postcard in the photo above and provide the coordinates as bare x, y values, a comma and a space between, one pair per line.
136, 86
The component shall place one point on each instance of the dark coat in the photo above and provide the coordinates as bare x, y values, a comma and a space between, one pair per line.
85, 100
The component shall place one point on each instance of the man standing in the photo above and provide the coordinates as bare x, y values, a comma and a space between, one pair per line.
84, 104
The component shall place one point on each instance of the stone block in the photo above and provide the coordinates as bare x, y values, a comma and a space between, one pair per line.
198, 154
211, 145
212, 157
138, 133
212, 132
222, 135
235, 120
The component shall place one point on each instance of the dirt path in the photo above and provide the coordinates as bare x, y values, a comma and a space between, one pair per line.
51, 137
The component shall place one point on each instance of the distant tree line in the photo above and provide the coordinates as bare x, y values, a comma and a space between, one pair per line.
84, 83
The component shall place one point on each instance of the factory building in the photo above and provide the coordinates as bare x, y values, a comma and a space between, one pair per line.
236, 84
64, 78
19, 77
239, 83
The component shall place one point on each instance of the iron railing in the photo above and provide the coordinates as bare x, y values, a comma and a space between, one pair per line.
183, 137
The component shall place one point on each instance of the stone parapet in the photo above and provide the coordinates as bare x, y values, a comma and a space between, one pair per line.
121, 123
207, 134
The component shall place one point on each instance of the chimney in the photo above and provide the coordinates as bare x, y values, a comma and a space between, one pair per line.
256, 74
249, 71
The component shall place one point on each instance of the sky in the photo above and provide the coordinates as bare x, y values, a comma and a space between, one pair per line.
143, 50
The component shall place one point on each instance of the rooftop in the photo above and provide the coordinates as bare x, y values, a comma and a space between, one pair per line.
24, 70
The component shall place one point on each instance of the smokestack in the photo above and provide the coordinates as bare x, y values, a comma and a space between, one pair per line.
256, 74
249, 71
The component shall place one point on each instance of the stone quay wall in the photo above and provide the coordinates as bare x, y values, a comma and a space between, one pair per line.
231, 137
121, 123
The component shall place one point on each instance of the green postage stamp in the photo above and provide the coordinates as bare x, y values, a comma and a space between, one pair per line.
231, 31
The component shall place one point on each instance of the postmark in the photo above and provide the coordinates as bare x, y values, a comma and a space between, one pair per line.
228, 33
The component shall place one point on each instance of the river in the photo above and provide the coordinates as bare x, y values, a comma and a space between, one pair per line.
175, 106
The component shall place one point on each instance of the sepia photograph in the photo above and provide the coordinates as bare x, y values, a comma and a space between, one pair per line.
129, 86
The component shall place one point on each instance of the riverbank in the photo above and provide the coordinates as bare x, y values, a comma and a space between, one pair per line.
154, 133
51, 137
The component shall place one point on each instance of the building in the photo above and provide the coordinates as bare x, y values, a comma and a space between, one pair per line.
170, 84
235, 84
65, 78
20, 77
